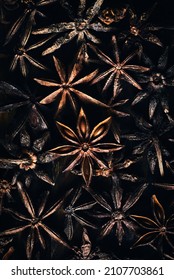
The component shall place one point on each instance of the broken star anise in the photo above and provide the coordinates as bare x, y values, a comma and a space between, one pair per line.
87, 252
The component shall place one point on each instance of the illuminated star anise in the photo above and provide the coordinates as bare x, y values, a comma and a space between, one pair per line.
21, 55
87, 252
34, 221
30, 10
117, 211
156, 83
25, 107
66, 87
160, 229
84, 145
28, 156
110, 15
72, 212
80, 27
140, 29
115, 166
118, 69
5, 7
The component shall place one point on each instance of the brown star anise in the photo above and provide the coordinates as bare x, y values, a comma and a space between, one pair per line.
30, 10
118, 69
79, 27
160, 229
34, 222
109, 15
21, 55
28, 157
84, 145
86, 252
140, 29
66, 87
73, 212
117, 210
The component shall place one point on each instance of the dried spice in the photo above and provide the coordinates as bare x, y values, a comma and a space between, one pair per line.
84, 145
66, 87
29, 157
160, 229
80, 27
34, 221
156, 84
140, 29
118, 69
117, 211
86, 135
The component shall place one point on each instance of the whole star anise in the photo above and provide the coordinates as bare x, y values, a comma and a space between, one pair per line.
84, 145
118, 211
118, 69
159, 230
28, 157
79, 27
34, 221
66, 88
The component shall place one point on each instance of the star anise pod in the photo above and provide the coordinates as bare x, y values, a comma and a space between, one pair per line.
118, 69
21, 55
118, 211
28, 157
159, 229
109, 15
30, 10
34, 222
87, 252
25, 106
150, 142
140, 29
160, 78
80, 26
73, 211
116, 167
84, 145
66, 87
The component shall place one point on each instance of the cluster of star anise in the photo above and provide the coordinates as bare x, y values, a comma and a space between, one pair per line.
86, 129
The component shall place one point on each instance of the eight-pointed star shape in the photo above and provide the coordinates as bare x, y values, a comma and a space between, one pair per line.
80, 26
